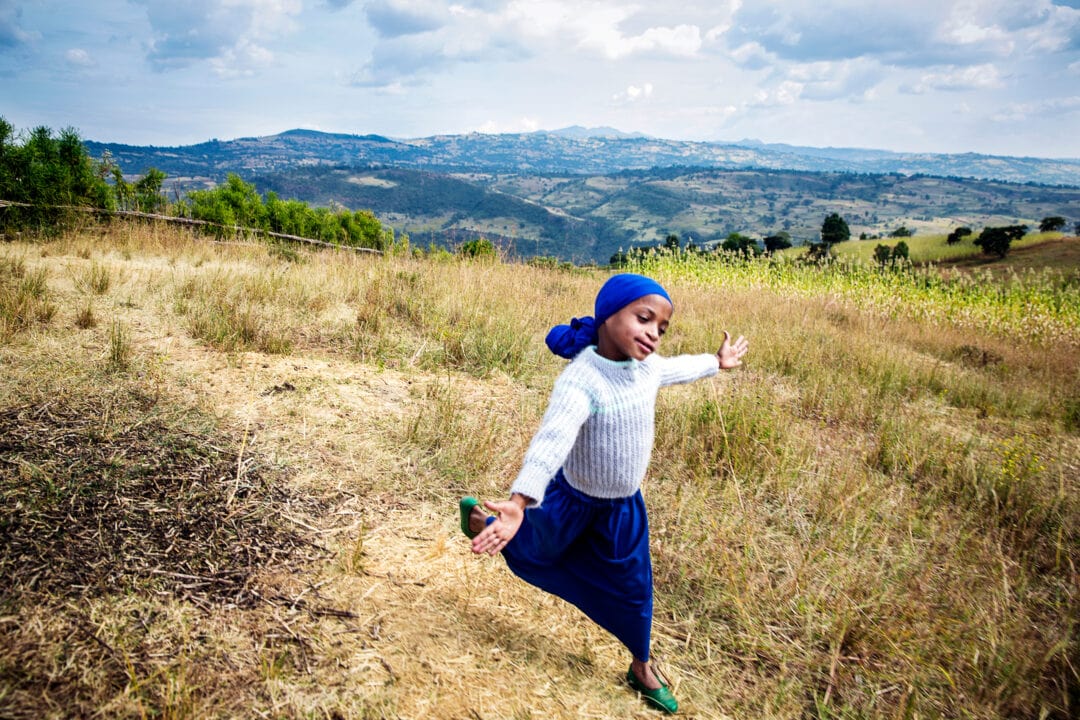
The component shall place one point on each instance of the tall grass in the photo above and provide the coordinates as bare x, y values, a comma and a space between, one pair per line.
24, 297
1037, 306
120, 351
233, 313
95, 279
877, 516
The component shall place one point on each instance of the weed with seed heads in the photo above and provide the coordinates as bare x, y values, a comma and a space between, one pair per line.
85, 318
96, 279
120, 351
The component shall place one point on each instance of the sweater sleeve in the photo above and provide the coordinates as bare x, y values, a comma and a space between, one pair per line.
568, 409
687, 368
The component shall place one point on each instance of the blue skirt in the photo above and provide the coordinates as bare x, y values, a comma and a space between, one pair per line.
593, 553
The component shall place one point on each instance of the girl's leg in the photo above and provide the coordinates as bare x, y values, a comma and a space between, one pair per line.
612, 574
643, 670
605, 568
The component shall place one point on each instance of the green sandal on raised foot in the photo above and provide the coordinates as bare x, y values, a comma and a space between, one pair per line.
465, 506
660, 697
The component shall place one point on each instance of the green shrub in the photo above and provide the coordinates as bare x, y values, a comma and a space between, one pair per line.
54, 175
478, 248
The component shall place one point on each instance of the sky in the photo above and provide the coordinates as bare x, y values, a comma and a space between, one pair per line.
998, 77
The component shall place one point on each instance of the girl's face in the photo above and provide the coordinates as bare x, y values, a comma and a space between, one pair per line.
635, 331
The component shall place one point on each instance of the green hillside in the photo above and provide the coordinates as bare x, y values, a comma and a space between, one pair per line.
1036, 251
584, 198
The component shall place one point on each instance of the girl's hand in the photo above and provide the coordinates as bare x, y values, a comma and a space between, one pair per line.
508, 517
730, 353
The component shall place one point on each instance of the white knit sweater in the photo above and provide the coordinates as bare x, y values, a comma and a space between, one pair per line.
599, 423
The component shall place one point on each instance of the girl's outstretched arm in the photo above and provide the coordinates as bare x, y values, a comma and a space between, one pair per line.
508, 517
730, 353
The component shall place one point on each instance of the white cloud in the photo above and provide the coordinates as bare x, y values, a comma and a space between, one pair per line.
752, 56
851, 80
723, 112
77, 57
786, 93
232, 34
634, 93
917, 33
681, 40
1015, 112
244, 59
418, 67
597, 27
419, 39
975, 77
521, 125
393, 18
966, 32
12, 33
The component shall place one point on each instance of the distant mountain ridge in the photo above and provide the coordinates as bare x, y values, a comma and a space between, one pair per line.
586, 151
579, 132
583, 193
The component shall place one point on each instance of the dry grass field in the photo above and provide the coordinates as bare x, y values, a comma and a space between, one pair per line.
229, 476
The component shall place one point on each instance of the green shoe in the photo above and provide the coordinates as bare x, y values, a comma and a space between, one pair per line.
465, 506
660, 697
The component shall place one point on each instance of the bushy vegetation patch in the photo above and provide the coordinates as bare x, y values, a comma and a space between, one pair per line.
106, 495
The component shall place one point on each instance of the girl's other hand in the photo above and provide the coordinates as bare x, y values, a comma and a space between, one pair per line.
508, 518
730, 353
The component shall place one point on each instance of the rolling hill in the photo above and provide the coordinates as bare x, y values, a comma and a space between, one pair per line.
583, 194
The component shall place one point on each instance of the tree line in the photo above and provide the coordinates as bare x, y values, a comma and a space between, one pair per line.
993, 240
50, 180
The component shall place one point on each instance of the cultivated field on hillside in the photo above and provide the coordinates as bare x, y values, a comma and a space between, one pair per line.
229, 477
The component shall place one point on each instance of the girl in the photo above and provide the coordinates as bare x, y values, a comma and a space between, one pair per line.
575, 524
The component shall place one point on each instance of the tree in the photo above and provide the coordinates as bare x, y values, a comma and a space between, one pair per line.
54, 175
881, 254
479, 248
900, 252
834, 229
9, 151
148, 191
1053, 223
818, 253
122, 190
902, 231
957, 235
671, 242
737, 242
997, 240
779, 241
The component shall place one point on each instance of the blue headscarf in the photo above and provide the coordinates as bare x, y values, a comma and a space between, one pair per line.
618, 292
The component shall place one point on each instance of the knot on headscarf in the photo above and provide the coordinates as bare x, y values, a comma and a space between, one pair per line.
618, 292
568, 340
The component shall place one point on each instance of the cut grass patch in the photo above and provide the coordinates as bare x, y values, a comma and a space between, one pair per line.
106, 495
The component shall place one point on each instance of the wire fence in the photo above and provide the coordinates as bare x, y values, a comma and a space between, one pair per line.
194, 223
